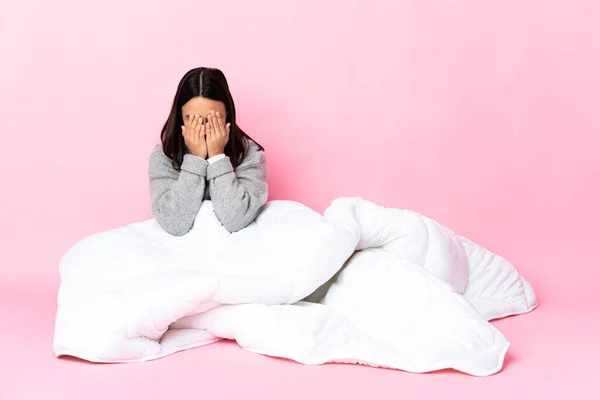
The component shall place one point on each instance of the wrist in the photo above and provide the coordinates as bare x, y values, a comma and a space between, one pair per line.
195, 165
199, 155
216, 153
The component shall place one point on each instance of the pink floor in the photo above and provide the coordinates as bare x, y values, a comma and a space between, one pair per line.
554, 354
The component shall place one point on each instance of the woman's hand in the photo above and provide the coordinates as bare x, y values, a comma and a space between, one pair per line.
194, 133
217, 133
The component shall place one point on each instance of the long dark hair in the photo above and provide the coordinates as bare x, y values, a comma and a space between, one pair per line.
209, 83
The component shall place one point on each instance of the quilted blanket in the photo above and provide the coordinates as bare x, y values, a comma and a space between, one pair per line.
359, 284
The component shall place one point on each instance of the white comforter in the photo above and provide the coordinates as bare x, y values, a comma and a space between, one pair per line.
395, 289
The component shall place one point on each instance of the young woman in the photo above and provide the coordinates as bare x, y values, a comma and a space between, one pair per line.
206, 155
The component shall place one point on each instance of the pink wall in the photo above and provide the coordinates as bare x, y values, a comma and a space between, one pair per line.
481, 114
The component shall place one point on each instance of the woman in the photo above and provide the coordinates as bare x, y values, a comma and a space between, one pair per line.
206, 155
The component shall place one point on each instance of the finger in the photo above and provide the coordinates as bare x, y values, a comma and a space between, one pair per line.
188, 120
183, 130
209, 128
215, 123
195, 121
221, 123
227, 129
203, 132
199, 126
200, 129
211, 122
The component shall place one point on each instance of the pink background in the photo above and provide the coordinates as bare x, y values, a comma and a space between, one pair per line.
480, 114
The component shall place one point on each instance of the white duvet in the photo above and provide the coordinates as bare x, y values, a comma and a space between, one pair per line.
382, 287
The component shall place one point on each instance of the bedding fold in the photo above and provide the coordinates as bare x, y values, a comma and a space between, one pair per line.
359, 284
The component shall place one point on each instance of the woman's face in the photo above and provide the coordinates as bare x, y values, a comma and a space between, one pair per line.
202, 106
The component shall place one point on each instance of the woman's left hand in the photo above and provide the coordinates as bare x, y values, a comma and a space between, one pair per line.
217, 133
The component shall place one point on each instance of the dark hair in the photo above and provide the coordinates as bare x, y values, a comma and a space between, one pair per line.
209, 83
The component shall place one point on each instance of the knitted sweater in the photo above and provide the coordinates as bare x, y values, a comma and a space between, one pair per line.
237, 194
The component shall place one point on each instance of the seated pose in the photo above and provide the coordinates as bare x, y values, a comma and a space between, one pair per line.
205, 155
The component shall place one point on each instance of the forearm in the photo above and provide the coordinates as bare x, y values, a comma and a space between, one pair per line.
237, 198
175, 203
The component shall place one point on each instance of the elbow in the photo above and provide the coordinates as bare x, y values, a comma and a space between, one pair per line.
172, 226
235, 225
173, 231
242, 216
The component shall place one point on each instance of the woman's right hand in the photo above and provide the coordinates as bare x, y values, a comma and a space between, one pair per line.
194, 134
